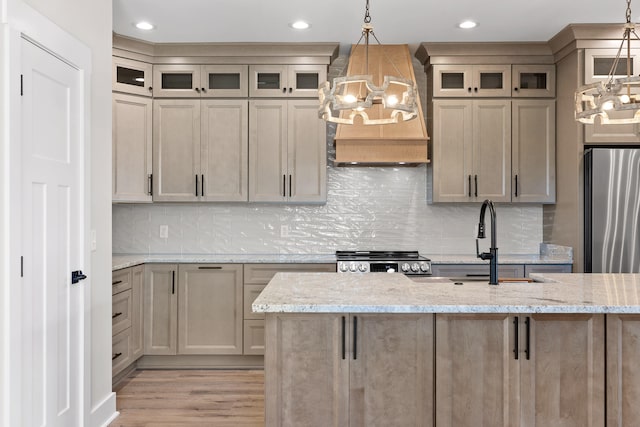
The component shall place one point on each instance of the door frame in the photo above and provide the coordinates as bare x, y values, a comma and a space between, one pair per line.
19, 22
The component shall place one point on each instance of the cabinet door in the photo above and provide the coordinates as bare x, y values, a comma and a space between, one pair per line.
477, 271
267, 81
253, 337
121, 312
160, 309
452, 150
176, 81
307, 153
534, 81
210, 309
306, 378
137, 312
304, 80
562, 376
176, 150
391, 370
218, 81
547, 268
452, 80
132, 77
131, 148
267, 150
623, 376
477, 375
492, 150
224, 150
533, 163
492, 80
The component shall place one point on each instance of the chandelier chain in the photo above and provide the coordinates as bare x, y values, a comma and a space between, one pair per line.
628, 13
367, 17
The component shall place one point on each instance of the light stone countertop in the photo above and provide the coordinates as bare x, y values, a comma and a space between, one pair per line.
395, 293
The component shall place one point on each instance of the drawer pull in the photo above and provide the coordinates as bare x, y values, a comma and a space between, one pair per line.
116, 315
117, 282
115, 356
206, 267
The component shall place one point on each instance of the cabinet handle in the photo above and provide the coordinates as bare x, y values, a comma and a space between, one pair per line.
202, 185
469, 186
284, 90
150, 184
290, 186
475, 89
196, 185
284, 186
355, 337
115, 356
204, 90
290, 89
344, 338
209, 267
116, 315
117, 282
515, 349
173, 282
476, 180
516, 185
527, 350
198, 89
469, 90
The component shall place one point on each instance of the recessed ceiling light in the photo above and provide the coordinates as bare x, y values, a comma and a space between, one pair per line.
143, 25
467, 24
300, 25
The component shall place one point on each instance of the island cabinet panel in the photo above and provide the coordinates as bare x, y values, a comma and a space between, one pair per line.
306, 377
623, 375
349, 370
520, 370
160, 309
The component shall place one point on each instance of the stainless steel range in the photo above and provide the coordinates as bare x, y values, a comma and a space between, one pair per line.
407, 262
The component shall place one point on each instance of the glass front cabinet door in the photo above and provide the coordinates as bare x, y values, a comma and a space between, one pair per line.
224, 81
534, 81
176, 81
132, 77
471, 80
286, 80
200, 81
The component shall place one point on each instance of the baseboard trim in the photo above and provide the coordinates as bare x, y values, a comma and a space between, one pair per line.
201, 362
105, 412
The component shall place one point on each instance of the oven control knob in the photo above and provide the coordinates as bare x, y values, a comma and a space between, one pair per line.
415, 267
362, 268
424, 267
344, 267
405, 267
353, 267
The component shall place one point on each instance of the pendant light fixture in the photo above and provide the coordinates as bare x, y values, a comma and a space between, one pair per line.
356, 95
613, 94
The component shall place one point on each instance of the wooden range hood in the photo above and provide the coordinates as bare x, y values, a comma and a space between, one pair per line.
404, 142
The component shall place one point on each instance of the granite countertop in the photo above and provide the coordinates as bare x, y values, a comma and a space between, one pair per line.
395, 293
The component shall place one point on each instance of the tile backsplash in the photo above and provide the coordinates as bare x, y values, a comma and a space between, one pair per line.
376, 208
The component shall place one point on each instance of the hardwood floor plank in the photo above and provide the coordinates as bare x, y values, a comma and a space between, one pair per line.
191, 398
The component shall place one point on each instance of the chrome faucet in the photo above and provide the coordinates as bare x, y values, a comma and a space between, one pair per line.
492, 255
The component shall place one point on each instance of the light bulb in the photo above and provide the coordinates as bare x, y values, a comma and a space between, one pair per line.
350, 98
607, 105
625, 99
392, 100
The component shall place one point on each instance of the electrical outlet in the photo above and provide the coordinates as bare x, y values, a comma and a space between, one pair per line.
164, 231
284, 231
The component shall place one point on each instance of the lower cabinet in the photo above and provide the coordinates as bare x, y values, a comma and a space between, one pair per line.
352, 369
193, 309
478, 271
519, 370
126, 317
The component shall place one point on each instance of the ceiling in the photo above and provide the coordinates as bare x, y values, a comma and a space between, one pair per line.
395, 21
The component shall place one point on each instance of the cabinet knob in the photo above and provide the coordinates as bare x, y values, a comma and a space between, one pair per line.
290, 89
469, 90
198, 89
150, 89
284, 90
204, 90
475, 89
515, 89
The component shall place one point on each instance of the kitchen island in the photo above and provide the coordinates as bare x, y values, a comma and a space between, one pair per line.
380, 349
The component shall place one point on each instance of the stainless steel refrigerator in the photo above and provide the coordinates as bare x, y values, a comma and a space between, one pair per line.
612, 210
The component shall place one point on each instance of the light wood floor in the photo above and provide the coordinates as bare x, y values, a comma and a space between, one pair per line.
190, 398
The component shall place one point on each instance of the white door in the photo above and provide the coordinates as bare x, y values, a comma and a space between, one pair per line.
53, 240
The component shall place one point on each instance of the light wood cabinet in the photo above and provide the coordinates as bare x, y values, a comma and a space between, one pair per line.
132, 77
533, 81
210, 309
472, 80
476, 271
547, 268
160, 309
286, 80
533, 147
137, 312
126, 317
623, 377
200, 150
200, 81
471, 150
512, 370
338, 370
131, 148
287, 152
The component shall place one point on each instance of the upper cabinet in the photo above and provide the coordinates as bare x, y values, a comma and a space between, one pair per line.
471, 80
200, 81
533, 81
131, 76
271, 81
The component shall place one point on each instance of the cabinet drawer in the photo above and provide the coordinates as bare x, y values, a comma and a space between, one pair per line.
120, 281
261, 274
120, 351
475, 270
251, 292
253, 337
121, 312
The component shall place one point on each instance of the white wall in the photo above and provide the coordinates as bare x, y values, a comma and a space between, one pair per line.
89, 21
